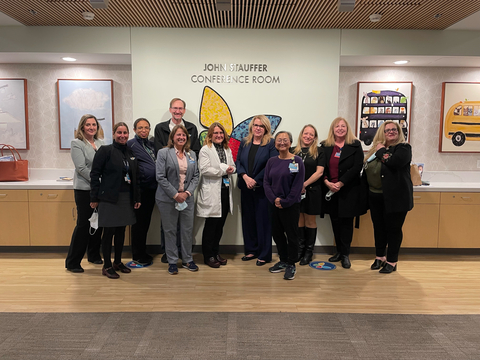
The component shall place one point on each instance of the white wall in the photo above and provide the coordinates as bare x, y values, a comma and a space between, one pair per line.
306, 61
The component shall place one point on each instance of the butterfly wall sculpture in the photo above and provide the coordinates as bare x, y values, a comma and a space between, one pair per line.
214, 108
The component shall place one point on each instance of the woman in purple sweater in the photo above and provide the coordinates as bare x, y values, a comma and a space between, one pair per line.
283, 184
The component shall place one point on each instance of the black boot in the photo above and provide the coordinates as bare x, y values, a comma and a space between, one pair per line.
310, 237
301, 242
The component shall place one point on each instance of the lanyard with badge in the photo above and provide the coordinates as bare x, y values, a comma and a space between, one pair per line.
293, 166
126, 167
338, 153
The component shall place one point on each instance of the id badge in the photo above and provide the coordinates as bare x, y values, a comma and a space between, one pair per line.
337, 154
226, 182
293, 167
127, 179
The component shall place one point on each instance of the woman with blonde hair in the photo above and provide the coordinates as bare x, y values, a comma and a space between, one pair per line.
311, 204
82, 149
215, 199
390, 192
343, 163
252, 157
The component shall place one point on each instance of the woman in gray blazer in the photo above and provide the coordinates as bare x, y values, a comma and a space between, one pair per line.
177, 177
83, 149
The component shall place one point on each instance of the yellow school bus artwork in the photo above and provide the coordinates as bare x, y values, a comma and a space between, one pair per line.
460, 117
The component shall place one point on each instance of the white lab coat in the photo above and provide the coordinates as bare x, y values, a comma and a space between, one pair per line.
209, 189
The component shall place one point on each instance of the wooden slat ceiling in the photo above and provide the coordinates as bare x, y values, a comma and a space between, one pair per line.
245, 14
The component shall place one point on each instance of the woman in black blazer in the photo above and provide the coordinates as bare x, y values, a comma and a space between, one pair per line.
114, 189
390, 192
252, 157
343, 163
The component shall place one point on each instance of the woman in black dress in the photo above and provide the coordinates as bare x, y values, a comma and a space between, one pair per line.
314, 161
116, 193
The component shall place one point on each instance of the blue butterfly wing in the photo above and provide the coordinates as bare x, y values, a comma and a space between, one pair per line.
241, 130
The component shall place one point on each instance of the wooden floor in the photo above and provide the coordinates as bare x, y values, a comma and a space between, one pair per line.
424, 284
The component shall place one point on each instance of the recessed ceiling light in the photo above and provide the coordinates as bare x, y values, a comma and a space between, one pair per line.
401, 62
375, 17
87, 15
67, 58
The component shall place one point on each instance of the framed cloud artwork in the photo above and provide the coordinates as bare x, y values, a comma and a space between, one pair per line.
380, 101
14, 113
460, 118
79, 97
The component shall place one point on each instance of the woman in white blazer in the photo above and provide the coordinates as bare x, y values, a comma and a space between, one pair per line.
215, 191
177, 177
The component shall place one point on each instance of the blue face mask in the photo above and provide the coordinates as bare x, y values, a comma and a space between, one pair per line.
181, 206
371, 158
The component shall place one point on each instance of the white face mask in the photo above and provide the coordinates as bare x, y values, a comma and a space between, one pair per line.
93, 221
181, 206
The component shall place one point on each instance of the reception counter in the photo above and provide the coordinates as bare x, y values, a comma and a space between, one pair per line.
42, 212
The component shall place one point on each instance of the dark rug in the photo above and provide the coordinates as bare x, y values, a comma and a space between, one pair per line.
185, 336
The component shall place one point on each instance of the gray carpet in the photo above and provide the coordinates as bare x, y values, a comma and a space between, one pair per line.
250, 336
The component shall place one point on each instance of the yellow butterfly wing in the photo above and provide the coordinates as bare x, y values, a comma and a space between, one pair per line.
215, 109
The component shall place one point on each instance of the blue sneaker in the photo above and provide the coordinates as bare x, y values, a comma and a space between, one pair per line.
172, 269
290, 272
190, 266
278, 267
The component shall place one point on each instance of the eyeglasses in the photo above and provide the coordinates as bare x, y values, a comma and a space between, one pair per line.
386, 131
143, 128
177, 108
282, 141
259, 126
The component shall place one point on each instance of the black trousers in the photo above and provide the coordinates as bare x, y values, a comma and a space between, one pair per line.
342, 228
387, 228
81, 238
285, 232
213, 228
140, 228
118, 233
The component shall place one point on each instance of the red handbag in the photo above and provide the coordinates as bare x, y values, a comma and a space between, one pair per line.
16, 170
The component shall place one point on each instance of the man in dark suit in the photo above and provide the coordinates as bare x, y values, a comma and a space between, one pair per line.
162, 132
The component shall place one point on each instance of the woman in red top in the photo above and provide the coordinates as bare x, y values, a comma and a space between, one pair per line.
344, 161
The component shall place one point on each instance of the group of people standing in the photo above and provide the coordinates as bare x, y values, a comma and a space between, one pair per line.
283, 189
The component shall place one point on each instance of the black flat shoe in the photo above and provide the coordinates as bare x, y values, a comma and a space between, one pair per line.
110, 273
248, 258
346, 262
96, 262
377, 264
76, 270
164, 259
261, 263
387, 269
335, 258
122, 268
